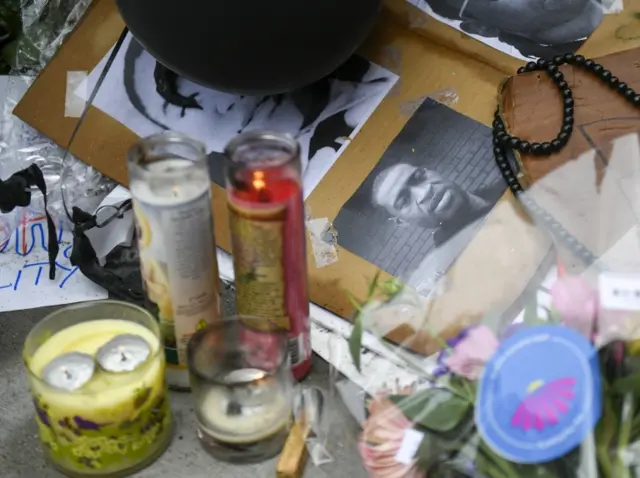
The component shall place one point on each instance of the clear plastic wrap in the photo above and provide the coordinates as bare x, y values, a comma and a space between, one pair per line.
546, 384
551, 394
44, 26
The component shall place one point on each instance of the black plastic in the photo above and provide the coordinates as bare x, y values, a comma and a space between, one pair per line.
251, 47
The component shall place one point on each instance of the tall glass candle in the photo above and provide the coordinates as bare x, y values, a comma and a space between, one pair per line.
96, 373
171, 190
266, 218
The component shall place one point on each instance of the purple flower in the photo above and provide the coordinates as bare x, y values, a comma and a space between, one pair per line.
442, 368
472, 351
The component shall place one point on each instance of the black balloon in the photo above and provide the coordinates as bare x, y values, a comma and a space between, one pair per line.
251, 47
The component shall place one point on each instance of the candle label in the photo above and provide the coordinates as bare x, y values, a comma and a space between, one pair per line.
118, 441
258, 259
179, 269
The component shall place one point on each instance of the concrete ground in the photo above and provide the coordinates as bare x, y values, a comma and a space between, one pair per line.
21, 456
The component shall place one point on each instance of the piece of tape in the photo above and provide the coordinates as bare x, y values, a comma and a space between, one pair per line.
446, 96
418, 20
391, 59
74, 101
324, 241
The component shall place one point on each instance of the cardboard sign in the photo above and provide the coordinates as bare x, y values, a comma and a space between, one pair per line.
491, 271
24, 271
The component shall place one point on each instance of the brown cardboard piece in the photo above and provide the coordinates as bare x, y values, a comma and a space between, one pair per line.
532, 110
490, 273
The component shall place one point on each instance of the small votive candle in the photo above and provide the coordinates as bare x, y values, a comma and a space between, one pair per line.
96, 373
242, 386
123, 353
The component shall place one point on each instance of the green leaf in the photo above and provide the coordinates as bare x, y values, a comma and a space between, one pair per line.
355, 341
429, 452
357, 305
628, 384
553, 316
373, 286
435, 409
463, 387
605, 433
392, 287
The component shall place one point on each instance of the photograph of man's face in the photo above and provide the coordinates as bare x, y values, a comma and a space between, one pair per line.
418, 195
425, 199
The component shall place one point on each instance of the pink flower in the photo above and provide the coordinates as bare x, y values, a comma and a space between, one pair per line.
381, 439
472, 352
576, 302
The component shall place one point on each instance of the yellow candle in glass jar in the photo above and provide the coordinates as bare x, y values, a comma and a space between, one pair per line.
116, 421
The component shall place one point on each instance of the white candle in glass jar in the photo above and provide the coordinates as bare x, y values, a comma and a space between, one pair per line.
246, 413
172, 206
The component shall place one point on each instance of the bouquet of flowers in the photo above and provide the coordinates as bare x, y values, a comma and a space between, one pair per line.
556, 395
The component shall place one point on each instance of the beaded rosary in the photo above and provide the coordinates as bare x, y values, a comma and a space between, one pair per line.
503, 141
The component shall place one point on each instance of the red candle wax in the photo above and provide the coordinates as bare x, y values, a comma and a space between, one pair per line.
269, 249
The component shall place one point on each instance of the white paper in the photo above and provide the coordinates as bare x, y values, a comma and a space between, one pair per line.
128, 94
117, 232
619, 291
24, 271
409, 446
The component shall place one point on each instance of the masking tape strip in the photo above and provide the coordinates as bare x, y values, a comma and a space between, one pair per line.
446, 96
74, 101
612, 7
324, 240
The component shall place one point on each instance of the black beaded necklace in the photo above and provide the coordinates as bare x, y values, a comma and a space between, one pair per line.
502, 141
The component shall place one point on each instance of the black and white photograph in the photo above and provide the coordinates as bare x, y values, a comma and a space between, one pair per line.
426, 197
148, 98
525, 29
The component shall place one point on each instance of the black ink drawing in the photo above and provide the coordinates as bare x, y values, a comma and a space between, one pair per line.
425, 199
148, 98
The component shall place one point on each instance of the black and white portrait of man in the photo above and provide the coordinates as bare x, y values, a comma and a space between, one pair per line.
425, 199
523, 28
147, 98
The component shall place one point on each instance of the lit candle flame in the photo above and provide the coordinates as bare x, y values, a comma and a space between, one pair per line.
258, 180
176, 191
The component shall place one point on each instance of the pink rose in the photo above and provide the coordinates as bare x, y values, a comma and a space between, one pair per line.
577, 303
472, 352
381, 439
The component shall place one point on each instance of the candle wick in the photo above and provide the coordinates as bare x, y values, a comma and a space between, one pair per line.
67, 374
123, 357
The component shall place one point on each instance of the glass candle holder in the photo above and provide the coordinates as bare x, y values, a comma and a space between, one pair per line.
243, 388
96, 373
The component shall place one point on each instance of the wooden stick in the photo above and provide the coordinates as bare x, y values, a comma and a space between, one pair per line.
294, 454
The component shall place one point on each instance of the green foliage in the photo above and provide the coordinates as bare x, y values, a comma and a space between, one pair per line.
386, 290
445, 413
10, 28
435, 409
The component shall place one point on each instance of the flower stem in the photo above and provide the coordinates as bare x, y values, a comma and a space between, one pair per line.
505, 466
621, 470
604, 462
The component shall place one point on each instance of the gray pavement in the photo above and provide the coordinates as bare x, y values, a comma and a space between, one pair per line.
21, 457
